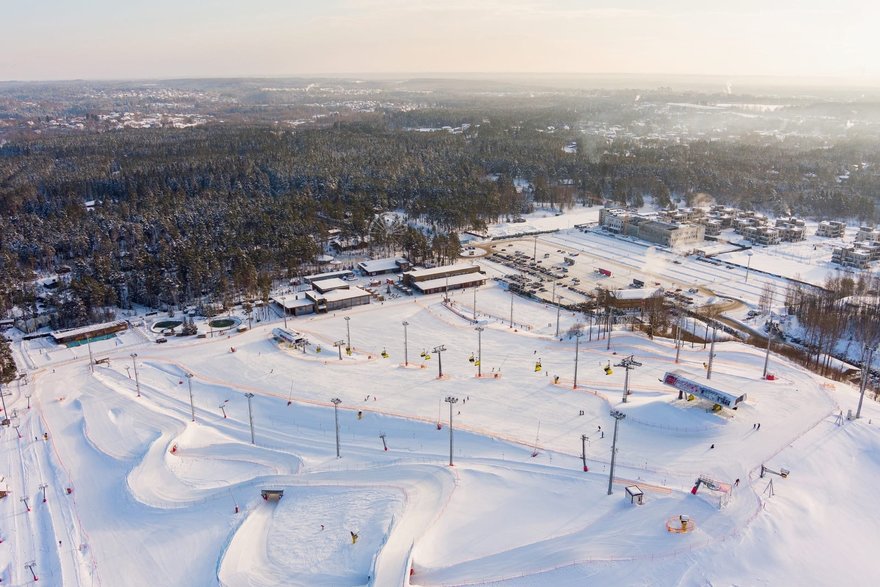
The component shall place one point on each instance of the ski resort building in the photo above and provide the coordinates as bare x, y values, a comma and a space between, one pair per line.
382, 266
294, 304
448, 277
698, 387
668, 234
831, 228
75, 336
338, 298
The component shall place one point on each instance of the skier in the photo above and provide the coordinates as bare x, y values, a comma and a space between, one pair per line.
713, 446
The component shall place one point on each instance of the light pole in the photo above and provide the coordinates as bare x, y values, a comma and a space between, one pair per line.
192, 406
250, 415
711, 351
438, 350
348, 333
405, 349
339, 344
137, 382
558, 308
749, 265
3, 401
618, 416
866, 372
535, 254
451, 401
336, 401
479, 330
627, 363
577, 343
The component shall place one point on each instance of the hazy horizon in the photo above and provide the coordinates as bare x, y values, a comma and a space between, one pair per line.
101, 40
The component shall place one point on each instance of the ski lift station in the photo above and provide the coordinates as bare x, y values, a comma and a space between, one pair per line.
697, 386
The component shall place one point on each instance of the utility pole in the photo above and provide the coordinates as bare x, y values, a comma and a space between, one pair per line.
438, 350
577, 343
479, 330
137, 382
250, 415
749, 265
348, 334
192, 406
405, 349
584, 451
451, 401
336, 401
618, 416
866, 373
711, 351
339, 344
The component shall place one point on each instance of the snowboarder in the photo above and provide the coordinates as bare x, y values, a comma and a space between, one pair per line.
736, 483
322, 527
713, 446
759, 426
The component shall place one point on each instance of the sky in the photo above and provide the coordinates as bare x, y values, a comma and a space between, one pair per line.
108, 39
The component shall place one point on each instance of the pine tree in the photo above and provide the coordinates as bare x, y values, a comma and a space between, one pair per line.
8, 369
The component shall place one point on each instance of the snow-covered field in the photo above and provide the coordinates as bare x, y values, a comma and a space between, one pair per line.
139, 494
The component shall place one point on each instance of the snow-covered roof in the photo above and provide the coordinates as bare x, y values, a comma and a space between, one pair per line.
337, 295
290, 301
452, 281
634, 294
374, 265
421, 273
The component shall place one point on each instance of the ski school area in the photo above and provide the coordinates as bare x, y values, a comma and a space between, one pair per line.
404, 443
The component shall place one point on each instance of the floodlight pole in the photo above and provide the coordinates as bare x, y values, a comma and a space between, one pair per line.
192, 406
137, 381
627, 363
336, 401
866, 372
348, 333
767, 355
250, 415
439, 350
618, 416
405, 349
479, 330
535, 254
749, 265
451, 401
711, 351
577, 344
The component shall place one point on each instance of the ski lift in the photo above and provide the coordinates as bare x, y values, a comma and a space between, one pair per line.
348, 351
471, 358
607, 368
476, 363
384, 354
537, 365
318, 349
423, 353
427, 356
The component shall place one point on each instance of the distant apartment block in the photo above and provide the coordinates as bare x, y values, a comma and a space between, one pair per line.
858, 256
831, 228
868, 234
668, 234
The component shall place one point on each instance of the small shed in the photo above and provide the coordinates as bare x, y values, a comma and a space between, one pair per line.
635, 494
272, 494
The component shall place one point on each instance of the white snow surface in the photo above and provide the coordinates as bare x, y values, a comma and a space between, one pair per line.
157, 499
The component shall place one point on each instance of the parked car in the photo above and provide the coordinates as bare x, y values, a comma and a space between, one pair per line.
161, 339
